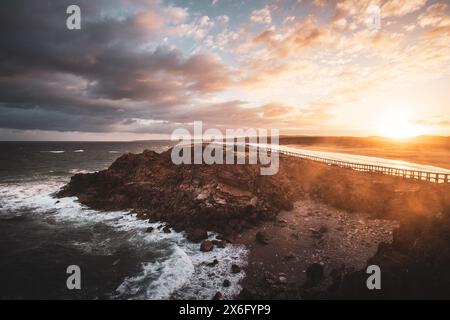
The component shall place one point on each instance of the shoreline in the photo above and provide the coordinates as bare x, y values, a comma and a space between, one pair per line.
90, 235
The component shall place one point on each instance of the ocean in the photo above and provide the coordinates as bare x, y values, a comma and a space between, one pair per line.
40, 236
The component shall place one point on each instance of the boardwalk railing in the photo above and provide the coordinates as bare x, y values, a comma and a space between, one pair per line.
435, 177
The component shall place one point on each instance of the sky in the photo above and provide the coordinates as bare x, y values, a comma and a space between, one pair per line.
143, 68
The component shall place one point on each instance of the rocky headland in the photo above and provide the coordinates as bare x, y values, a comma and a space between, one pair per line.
311, 228
191, 198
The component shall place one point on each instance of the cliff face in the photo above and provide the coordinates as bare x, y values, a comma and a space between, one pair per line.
415, 265
223, 198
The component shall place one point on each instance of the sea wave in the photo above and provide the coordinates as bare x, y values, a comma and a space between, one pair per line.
77, 171
54, 151
78, 151
182, 273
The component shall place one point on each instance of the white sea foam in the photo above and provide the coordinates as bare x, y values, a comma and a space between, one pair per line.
76, 171
181, 274
79, 151
173, 271
54, 151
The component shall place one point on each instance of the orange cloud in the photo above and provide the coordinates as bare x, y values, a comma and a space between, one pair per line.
149, 20
398, 8
435, 16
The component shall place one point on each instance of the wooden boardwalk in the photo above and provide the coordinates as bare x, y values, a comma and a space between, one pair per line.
435, 177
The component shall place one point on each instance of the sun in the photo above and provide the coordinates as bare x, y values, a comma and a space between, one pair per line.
396, 125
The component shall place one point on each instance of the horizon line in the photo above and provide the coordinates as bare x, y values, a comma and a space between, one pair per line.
281, 136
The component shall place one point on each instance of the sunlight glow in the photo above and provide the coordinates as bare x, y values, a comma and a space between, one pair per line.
397, 125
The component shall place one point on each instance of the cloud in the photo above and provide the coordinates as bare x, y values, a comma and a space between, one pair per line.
224, 19
302, 35
237, 114
398, 8
320, 3
262, 16
147, 67
437, 121
435, 16
89, 80
357, 10
197, 29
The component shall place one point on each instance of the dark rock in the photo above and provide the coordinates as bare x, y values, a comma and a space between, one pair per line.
249, 209
290, 257
295, 235
315, 233
226, 283
323, 229
281, 223
149, 230
196, 235
314, 273
247, 294
224, 239
219, 243
235, 268
218, 296
213, 264
262, 238
167, 230
206, 246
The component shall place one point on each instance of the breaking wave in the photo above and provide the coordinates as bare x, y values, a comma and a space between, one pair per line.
181, 272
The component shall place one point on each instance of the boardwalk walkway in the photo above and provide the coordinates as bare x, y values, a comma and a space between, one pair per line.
369, 164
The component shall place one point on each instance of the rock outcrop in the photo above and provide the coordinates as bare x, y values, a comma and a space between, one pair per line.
230, 198
415, 265
194, 198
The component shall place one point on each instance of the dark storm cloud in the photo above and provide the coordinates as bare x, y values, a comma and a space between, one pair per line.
90, 79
